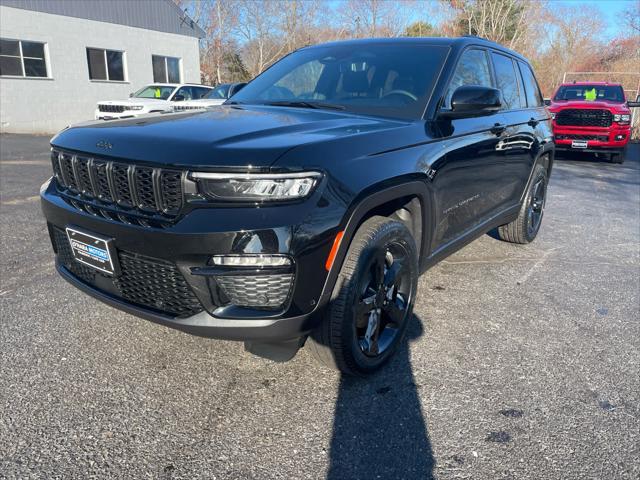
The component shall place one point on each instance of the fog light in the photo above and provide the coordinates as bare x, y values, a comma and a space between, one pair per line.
619, 137
251, 260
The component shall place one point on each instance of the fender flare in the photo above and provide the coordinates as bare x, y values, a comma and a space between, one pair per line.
366, 203
546, 150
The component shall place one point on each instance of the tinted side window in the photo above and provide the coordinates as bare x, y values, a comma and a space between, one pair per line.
472, 69
199, 92
534, 97
507, 80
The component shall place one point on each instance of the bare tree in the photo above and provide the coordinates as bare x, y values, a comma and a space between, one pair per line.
572, 41
299, 18
374, 18
259, 27
503, 21
631, 17
222, 20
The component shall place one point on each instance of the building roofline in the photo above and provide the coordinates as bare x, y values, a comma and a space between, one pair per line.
156, 15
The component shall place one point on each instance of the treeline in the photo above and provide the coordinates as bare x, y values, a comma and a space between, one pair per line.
243, 37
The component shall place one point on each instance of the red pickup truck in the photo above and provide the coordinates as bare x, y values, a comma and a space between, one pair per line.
591, 117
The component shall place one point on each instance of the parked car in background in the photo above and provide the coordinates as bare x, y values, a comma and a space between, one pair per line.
155, 98
217, 96
306, 207
591, 117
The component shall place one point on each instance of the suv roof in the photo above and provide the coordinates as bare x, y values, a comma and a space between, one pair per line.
457, 42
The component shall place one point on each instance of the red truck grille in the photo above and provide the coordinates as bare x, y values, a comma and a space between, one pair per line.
584, 117
599, 138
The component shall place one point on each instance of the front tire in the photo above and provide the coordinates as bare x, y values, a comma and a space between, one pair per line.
525, 228
616, 158
372, 301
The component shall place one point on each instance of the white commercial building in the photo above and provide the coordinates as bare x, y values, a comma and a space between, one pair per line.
59, 57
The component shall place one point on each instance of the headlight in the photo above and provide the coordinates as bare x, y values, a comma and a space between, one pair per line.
621, 118
136, 107
553, 115
256, 186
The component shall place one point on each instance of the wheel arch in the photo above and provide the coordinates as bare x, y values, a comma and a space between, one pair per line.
407, 200
544, 158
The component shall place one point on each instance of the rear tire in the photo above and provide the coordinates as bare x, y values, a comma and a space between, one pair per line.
372, 301
525, 228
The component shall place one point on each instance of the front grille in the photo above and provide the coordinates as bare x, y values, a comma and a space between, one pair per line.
127, 193
599, 138
262, 291
148, 282
584, 117
112, 108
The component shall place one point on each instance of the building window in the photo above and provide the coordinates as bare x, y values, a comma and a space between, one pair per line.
105, 64
19, 58
166, 69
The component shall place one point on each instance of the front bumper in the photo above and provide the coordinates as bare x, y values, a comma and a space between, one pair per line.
610, 139
203, 324
187, 247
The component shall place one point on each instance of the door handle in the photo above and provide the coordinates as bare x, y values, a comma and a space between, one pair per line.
532, 122
498, 128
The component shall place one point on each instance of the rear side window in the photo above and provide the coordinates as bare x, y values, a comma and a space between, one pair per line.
507, 80
472, 69
532, 91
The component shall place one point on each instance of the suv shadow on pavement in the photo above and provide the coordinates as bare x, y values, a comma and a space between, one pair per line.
379, 430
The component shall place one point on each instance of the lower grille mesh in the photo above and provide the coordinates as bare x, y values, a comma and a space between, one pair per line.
156, 284
270, 291
144, 281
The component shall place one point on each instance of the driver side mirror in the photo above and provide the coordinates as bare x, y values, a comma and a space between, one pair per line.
636, 103
131, 95
178, 98
473, 101
547, 101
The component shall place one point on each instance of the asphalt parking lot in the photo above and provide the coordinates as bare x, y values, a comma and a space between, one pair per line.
523, 362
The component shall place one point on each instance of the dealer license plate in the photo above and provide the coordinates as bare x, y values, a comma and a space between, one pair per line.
92, 250
579, 144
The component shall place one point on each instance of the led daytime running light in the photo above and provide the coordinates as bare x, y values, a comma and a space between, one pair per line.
251, 260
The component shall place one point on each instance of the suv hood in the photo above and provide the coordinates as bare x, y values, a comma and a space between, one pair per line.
229, 136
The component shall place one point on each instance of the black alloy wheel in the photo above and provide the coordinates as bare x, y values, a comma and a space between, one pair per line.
383, 305
372, 301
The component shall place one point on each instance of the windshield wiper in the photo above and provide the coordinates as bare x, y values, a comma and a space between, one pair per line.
303, 104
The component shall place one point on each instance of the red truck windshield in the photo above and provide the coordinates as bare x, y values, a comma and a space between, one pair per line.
590, 93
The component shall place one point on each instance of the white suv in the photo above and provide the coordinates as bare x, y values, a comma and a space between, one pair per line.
158, 97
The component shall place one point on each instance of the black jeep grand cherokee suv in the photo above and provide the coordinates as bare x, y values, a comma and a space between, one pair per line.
305, 207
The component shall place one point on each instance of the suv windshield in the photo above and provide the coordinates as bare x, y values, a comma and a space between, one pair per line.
590, 93
155, 91
375, 79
